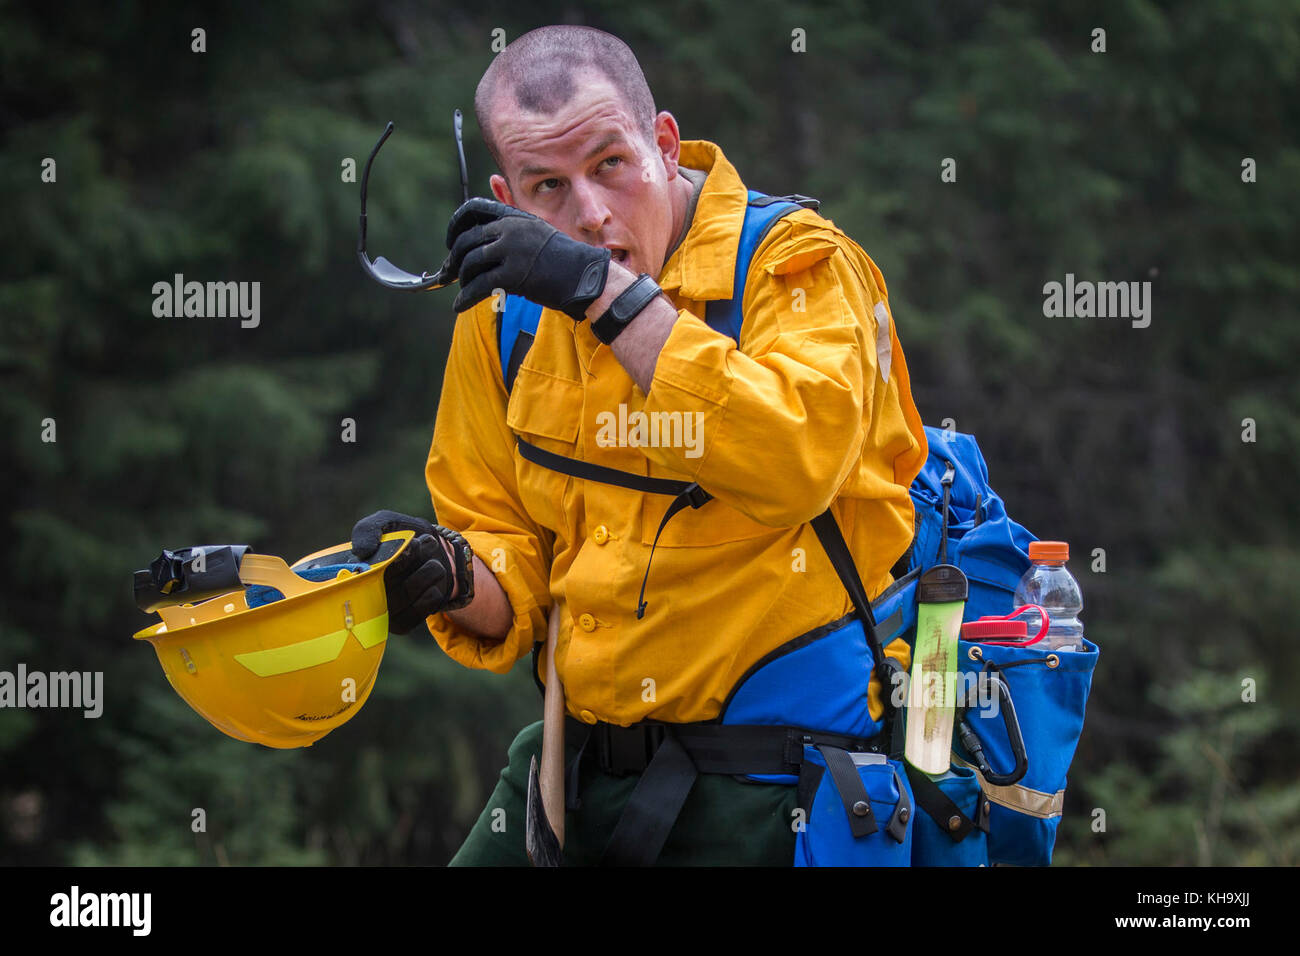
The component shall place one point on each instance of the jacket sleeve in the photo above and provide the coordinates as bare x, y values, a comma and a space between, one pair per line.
471, 478
784, 416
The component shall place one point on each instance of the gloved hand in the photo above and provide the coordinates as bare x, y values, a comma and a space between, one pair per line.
418, 582
367, 532
495, 246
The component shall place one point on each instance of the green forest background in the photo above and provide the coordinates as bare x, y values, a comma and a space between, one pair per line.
1124, 165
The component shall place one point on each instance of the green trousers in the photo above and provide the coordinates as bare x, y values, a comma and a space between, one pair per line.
725, 821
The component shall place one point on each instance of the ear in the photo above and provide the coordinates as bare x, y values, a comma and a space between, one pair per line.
501, 189
668, 141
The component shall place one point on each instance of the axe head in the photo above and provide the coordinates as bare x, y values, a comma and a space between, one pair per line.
539, 839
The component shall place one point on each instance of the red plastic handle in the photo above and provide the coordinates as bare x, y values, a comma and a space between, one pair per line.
1047, 621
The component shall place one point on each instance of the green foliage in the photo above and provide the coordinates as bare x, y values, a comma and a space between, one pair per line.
227, 166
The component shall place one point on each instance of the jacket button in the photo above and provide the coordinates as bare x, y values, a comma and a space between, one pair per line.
600, 535
587, 622
861, 808
954, 823
587, 717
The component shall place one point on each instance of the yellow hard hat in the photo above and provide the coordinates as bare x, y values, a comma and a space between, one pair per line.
285, 655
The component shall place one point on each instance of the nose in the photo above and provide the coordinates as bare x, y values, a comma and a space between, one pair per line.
590, 213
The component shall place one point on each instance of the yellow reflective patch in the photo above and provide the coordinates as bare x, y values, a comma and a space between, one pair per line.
317, 650
371, 632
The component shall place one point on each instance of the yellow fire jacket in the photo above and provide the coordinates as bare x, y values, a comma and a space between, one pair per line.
814, 407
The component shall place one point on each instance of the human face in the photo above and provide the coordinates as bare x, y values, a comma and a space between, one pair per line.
588, 172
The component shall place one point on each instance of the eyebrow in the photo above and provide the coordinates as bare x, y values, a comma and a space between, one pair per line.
600, 147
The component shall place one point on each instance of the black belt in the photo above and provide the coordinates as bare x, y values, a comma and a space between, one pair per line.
670, 756
713, 748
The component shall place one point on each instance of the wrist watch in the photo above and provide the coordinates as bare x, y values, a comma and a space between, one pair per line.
464, 567
626, 307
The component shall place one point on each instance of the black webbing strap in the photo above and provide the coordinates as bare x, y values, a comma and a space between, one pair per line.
897, 825
651, 811
713, 748
939, 806
608, 476
852, 791
887, 669
757, 749
806, 201
810, 778
948, 473
572, 782
692, 495
523, 343
685, 493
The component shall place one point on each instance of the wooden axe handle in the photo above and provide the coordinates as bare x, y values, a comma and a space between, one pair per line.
553, 710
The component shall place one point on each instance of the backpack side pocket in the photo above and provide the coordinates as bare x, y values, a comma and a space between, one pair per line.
1049, 694
859, 810
952, 819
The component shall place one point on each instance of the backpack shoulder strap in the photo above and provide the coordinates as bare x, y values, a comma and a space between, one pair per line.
516, 329
724, 315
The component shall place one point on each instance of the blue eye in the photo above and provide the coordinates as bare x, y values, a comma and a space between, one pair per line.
539, 186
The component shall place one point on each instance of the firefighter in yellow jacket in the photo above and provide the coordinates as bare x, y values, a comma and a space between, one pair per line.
812, 407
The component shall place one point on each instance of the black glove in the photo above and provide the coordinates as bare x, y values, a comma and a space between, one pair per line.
421, 579
367, 532
495, 246
418, 582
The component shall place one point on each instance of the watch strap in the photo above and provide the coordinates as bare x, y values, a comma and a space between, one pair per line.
626, 307
464, 569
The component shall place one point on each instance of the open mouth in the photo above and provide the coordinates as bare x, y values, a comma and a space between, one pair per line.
618, 255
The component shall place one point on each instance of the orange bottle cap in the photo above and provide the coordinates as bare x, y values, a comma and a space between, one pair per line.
1049, 551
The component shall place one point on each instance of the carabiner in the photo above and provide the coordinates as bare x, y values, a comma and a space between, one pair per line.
1011, 722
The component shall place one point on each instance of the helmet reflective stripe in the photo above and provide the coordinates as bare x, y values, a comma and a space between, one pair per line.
316, 650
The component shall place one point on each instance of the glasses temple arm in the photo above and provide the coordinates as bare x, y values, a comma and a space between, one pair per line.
365, 180
457, 122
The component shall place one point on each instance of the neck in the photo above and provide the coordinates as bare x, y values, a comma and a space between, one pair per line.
681, 199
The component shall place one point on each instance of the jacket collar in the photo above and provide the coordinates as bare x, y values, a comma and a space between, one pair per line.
703, 267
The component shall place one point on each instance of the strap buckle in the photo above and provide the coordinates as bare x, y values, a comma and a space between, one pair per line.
626, 750
696, 496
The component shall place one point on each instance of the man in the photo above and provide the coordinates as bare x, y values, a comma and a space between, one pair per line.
812, 407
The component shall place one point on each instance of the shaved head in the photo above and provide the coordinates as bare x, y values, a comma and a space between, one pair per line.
541, 71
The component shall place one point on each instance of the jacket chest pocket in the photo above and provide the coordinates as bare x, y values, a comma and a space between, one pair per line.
545, 411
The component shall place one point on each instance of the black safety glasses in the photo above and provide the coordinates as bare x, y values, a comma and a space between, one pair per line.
383, 271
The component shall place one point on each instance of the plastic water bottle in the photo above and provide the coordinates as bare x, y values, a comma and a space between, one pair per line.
1048, 584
